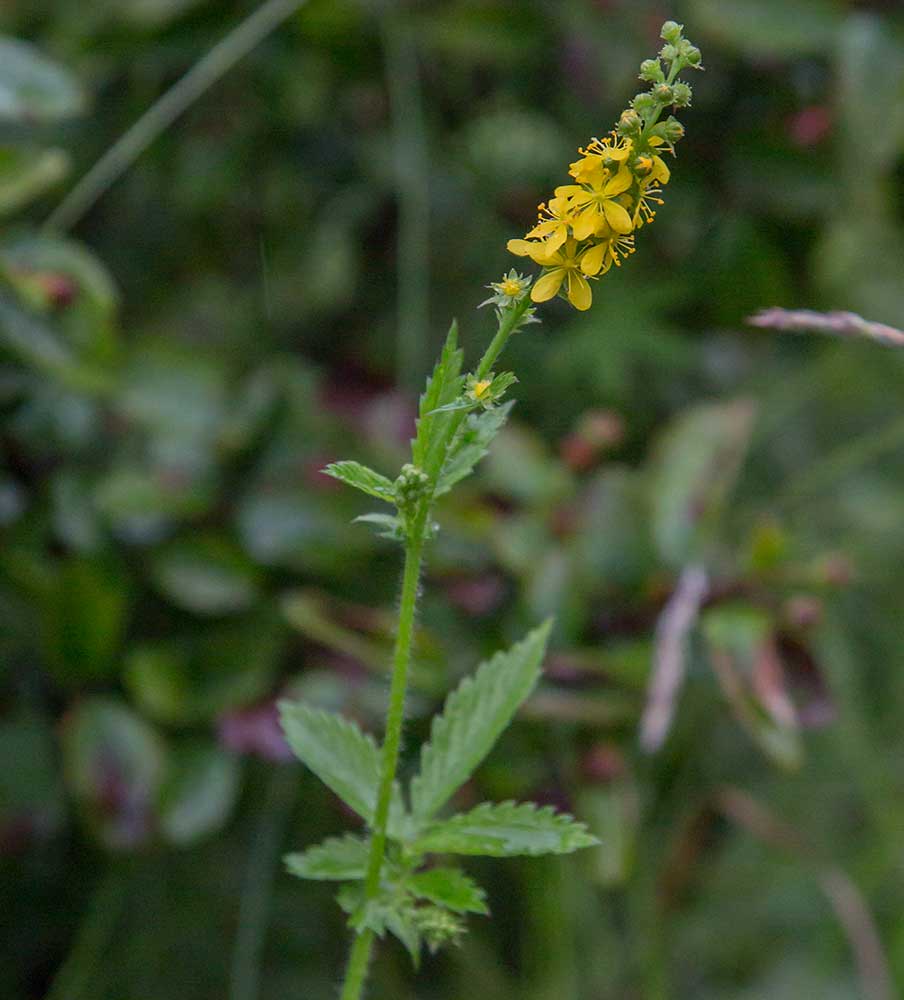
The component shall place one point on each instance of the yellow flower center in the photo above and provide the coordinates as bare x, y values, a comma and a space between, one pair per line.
510, 287
480, 389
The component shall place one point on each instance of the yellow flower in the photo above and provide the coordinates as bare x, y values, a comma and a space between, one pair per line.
552, 226
596, 260
601, 157
564, 267
597, 203
480, 389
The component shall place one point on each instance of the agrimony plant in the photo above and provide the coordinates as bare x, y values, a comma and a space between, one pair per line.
586, 228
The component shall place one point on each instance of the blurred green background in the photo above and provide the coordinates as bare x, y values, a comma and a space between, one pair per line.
260, 293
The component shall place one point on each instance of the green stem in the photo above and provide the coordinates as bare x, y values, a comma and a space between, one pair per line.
412, 182
356, 972
359, 958
203, 75
507, 326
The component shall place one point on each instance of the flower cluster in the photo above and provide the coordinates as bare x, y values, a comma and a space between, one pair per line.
589, 225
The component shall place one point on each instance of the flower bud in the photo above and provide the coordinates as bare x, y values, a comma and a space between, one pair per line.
412, 485
682, 94
693, 56
672, 130
642, 165
629, 124
669, 53
645, 104
671, 31
651, 70
663, 93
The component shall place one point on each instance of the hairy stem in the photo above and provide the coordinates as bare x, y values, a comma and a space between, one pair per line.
507, 326
414, 546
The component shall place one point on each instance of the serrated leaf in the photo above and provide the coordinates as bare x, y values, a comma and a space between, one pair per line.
381, 915
504, 830
336, 859
474, 717
443, 387
385, 525
401, 925
344, 758
471, 445
450, 888
361, 478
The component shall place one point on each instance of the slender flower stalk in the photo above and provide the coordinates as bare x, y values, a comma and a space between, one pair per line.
587, 228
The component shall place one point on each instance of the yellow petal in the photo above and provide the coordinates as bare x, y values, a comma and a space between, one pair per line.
620, 182
617, 217
565, 191
585, 223
579, 294
548, 285
542, 229
520, 248
556, 240
592, 259
661, 171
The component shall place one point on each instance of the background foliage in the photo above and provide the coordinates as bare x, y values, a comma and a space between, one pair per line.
261, 293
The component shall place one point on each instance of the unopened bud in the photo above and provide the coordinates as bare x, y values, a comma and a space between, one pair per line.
682, 94
663, 93
693, 56
644, 104
412, 485
672, 130
629, 124
671, 31
650, 69
669, 53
